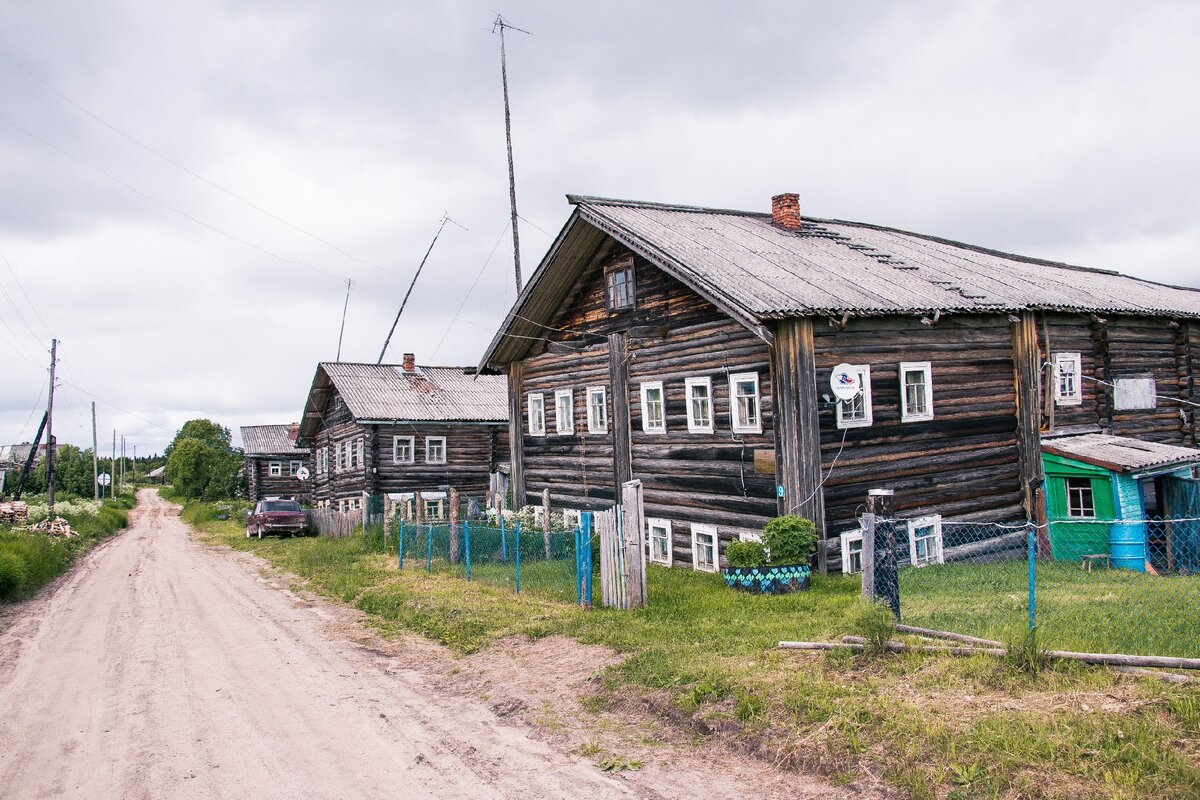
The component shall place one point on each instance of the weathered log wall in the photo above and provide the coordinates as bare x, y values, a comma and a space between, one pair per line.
260, 483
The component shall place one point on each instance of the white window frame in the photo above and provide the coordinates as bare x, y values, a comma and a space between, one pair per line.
664, 525
538, 513
738, 424
849, 538
564, 425
916, 366
540, 428
411, 441
337, 457
572, 518
439, 504
1075, 396
294, 467
864, 378
705, 530
662, 407
430, 440
597, 425
937, 557
693, 425
358, 447
275, 469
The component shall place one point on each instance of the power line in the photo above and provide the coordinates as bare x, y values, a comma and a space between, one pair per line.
468, 295
13, 303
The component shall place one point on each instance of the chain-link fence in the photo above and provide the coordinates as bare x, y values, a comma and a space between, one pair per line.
1119, 586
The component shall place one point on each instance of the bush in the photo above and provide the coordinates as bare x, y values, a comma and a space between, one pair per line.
875, 623
790, 539
746, 554
13, 575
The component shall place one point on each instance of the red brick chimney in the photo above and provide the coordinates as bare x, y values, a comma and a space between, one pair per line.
785, 211
294, 431
410, 362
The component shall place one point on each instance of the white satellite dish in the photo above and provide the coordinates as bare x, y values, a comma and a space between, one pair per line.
302, 473
844, 382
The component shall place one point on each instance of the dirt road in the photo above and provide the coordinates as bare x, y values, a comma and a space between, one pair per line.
162, 669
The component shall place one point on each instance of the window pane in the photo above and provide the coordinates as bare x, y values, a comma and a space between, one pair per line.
653, 410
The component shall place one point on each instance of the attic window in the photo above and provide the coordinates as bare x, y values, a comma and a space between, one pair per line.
619, 286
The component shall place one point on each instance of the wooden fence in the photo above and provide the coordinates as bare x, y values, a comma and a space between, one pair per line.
337, 524
622, 532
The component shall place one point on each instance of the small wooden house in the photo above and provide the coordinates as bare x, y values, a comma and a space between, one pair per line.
274, 463
401, 428
693, 348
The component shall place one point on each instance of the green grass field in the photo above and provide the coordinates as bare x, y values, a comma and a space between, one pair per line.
933, 727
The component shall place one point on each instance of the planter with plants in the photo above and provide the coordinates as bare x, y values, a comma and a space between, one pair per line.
776, 565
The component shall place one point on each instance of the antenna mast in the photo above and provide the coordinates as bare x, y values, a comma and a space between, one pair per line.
500, 24
345, 306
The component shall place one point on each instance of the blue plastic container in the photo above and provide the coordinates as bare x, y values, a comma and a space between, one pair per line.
1127, 546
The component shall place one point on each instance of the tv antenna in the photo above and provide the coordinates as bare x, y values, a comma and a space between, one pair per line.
345, 306
500, 24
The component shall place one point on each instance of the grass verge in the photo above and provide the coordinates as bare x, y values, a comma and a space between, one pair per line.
702, 656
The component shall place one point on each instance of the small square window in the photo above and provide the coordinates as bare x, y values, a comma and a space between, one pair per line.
856, 412
916, 391
852, 551
435, 509
1081, 502
275, 468
619, 286
699, 405
1067, 389
294, 467
597, 410
925, 541
564, 412
743, 402
404, 449
659, 540
435, 449
704, 548
654, 419
536, 411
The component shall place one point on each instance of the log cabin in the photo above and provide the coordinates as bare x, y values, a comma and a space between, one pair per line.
693, 348
274, 462
378, 429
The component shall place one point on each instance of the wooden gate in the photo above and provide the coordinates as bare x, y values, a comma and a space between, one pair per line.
622, 532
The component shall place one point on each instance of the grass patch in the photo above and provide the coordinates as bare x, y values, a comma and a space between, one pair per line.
934, 727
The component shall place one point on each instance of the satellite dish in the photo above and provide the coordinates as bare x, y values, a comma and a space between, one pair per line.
845, 382
302, 473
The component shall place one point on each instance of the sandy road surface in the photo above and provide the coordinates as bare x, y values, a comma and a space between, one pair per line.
160, 669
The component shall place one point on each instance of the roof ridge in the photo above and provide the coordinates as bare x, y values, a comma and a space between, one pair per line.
591, 200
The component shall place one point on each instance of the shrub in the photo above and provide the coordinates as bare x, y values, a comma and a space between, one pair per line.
875, 623
13, 575
746, 554
790, 539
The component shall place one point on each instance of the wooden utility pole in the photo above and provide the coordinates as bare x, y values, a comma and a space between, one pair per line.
95, 454
50, 433
122, 462
112, 478
500, 24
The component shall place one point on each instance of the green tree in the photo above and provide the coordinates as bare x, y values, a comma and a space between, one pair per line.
204, 430
201, 463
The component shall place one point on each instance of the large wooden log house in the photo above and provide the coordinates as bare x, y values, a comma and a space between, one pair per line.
378, 429
692, 348
273, 462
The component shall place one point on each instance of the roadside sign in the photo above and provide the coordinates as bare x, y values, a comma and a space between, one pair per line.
302, 473
104, 479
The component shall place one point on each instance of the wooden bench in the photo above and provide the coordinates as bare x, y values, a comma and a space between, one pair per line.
1086, 562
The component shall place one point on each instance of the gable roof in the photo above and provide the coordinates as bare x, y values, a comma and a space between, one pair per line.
269, 440
756, 271
1120, 453
386, 393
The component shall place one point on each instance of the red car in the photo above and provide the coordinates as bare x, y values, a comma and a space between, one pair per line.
282, 517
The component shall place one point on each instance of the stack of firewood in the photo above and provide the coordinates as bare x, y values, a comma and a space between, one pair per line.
14, 513
53, 527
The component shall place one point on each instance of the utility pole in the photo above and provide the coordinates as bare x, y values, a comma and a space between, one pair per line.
112, 478
122, 462
500, 24
95, 454
50, 433
133, 465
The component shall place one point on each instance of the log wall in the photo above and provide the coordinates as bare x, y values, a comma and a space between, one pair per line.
260, 483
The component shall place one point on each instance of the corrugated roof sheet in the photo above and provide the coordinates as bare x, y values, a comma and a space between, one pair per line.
435, 394
269, 440
1119, 452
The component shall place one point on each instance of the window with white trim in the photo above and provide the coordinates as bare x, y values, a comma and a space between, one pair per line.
852, 551
359, 451
435, 509
337, 457
743, 403
916, 391
435, 449
654, 417
704, 547
294, 467
535, 404
699, 405
572, 518
925, 541
597, 408
404, 449
1067, 389
658, 537
856, 412
564, 411
274, 468
1081, 502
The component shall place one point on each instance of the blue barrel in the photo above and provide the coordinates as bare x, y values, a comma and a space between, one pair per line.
1127, 546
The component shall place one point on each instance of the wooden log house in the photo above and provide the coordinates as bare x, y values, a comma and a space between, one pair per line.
378, 429
273, 460
692, 348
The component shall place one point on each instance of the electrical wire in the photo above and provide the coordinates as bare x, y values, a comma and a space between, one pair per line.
25, 294
1159, 396
474, 283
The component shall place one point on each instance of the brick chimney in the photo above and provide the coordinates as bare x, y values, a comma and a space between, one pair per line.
410, 362
294, 431
785, 211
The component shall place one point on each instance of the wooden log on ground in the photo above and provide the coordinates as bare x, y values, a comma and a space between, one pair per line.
1107, 659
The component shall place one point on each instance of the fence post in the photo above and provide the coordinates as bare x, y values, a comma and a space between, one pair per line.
517, 549
503, 539
633, 543
418, 507
467, 546
1032, 547
868, 557
429, 551
387, 522
578, 569
886, 577
453, 517
546, 521
400, 546
586, 520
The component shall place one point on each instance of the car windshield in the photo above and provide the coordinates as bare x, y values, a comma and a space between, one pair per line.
281, 505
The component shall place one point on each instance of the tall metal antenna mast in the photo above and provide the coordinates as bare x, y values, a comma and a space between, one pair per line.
345, 306
499, 24
404, 302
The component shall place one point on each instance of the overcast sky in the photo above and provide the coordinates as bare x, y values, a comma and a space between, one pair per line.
185, 187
